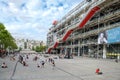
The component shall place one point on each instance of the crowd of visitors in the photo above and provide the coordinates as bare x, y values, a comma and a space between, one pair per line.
37, 58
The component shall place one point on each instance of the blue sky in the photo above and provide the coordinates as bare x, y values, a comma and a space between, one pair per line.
32, 18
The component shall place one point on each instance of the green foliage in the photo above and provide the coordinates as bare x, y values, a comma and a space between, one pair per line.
20, 48
37, 49
33, 48
1, 27
40, 48
6, 39
25, 45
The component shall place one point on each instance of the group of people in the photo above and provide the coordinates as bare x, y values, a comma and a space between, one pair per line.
22, 60
42, 63
52, 62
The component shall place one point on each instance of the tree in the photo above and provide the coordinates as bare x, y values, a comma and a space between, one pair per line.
20, 48
40, 48
37, 49
1, 27
33, 48
6, 39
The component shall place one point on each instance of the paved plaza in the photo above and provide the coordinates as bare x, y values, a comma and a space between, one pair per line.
79, 68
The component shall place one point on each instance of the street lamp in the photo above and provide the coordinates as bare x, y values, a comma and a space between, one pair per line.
0, 44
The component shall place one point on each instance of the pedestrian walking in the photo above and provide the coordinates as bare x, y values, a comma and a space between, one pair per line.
35, 58
42, 64
20, 59
24, 61
116, 60
27, 57
39, 64
49, 60
53, 64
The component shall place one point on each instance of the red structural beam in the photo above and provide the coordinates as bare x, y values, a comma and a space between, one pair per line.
89, 16
54, 22
55, 45
49, 50
81, 25
67, 35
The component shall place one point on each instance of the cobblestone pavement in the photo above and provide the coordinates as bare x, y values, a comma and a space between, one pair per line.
66, 69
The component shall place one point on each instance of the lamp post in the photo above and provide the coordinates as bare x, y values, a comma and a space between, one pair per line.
0, 44
8, 50
0, 48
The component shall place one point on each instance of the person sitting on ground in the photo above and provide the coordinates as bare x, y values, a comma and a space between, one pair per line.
38, 65
12, 58
98, 71
4, 65
24, 63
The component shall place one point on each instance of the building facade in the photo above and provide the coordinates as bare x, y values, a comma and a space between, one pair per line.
28, 44
91, 29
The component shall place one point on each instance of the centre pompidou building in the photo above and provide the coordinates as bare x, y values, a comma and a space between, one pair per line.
90, 29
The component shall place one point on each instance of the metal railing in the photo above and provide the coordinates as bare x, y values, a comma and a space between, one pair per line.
103, 18
96, 30
77, 10
92, 5
77, 21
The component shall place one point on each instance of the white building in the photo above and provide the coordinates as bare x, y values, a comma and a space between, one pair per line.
28, 44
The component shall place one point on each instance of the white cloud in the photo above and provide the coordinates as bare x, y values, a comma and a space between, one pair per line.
13, 8
33, 18
46, 13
